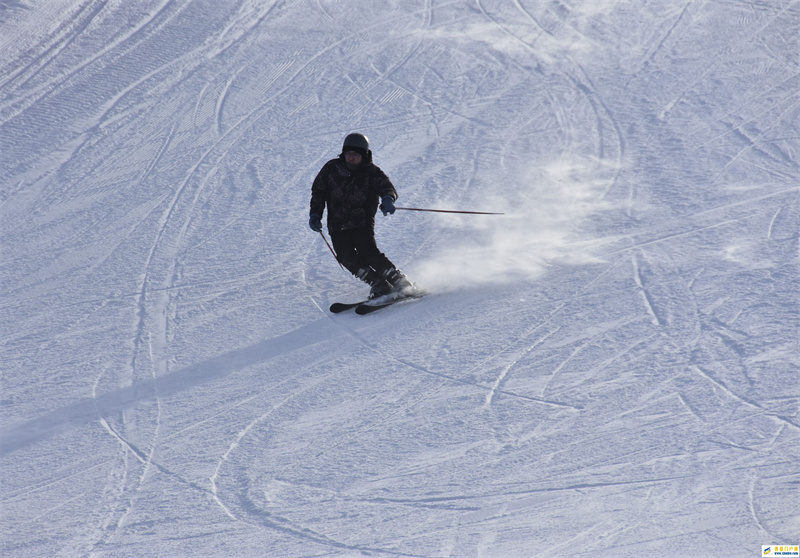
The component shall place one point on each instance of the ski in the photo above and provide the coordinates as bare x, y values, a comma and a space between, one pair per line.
337, 307
373, 306
370, 305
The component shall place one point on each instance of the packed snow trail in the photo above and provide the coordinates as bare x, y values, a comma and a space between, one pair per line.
608, 369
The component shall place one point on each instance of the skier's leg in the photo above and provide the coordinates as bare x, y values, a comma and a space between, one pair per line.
364, 240
346, 244
346, 252
364, 243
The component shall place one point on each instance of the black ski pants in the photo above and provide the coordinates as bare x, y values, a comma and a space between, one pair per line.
356, 249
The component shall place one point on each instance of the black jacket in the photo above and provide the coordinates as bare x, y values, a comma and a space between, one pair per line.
352, 197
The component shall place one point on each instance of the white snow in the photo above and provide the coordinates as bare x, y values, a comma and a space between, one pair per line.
611, 368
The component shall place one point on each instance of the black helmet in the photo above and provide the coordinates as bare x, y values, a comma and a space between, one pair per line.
360, 143
357, 142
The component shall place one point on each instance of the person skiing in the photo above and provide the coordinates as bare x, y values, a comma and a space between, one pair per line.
352, 187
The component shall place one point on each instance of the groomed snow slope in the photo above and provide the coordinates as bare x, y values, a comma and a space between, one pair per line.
609, 369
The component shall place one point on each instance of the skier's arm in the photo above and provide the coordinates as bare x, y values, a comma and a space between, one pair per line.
319, 193
383, 186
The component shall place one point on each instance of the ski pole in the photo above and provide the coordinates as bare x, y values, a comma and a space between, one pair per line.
331, 249
448, 211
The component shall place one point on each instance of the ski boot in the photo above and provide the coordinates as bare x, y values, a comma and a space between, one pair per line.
398, 281
379, 286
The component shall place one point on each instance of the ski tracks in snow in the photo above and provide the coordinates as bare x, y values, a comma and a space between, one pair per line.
621, 403
493, 390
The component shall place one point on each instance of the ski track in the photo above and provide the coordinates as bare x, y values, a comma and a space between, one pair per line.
493, 390
49, 88
172, 380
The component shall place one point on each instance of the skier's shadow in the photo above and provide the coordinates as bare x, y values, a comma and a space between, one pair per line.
89, 409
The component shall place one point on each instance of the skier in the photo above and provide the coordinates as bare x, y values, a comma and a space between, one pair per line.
351, 187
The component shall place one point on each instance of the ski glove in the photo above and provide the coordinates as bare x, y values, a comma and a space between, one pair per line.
315, 222
387, 205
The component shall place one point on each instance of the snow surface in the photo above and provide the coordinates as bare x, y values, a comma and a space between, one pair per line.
609, 369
